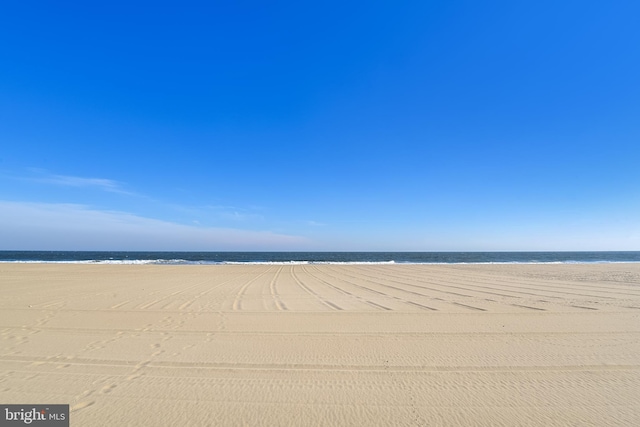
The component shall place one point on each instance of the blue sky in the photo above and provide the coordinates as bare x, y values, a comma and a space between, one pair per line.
421, 126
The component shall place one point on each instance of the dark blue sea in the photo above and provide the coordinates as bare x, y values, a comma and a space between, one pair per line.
317, 257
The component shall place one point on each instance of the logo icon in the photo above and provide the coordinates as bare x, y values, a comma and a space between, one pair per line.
34, 415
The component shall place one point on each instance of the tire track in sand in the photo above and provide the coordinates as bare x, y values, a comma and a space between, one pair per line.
342, 291
274, 293
413, 303
311, 292
237, 303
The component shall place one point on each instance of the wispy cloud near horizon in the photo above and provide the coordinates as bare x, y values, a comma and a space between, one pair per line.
60, 226
110, 185
315, 223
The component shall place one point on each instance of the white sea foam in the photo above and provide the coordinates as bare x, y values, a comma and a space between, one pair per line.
187, 262
162, 261
306, 262
101, 261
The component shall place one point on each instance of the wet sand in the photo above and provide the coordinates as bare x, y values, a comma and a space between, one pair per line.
159, 345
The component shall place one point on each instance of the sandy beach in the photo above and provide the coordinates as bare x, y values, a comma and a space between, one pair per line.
437, 345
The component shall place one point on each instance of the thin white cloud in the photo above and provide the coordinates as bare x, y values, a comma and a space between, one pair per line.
53, 226
222, 212
103, 184
235, 213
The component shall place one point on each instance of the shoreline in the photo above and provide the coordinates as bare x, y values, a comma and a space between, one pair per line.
347, 263
330, 258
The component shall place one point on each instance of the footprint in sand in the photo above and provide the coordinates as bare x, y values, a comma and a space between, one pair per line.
108, 388
81, 405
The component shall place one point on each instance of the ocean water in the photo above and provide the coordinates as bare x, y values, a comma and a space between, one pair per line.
173, 258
